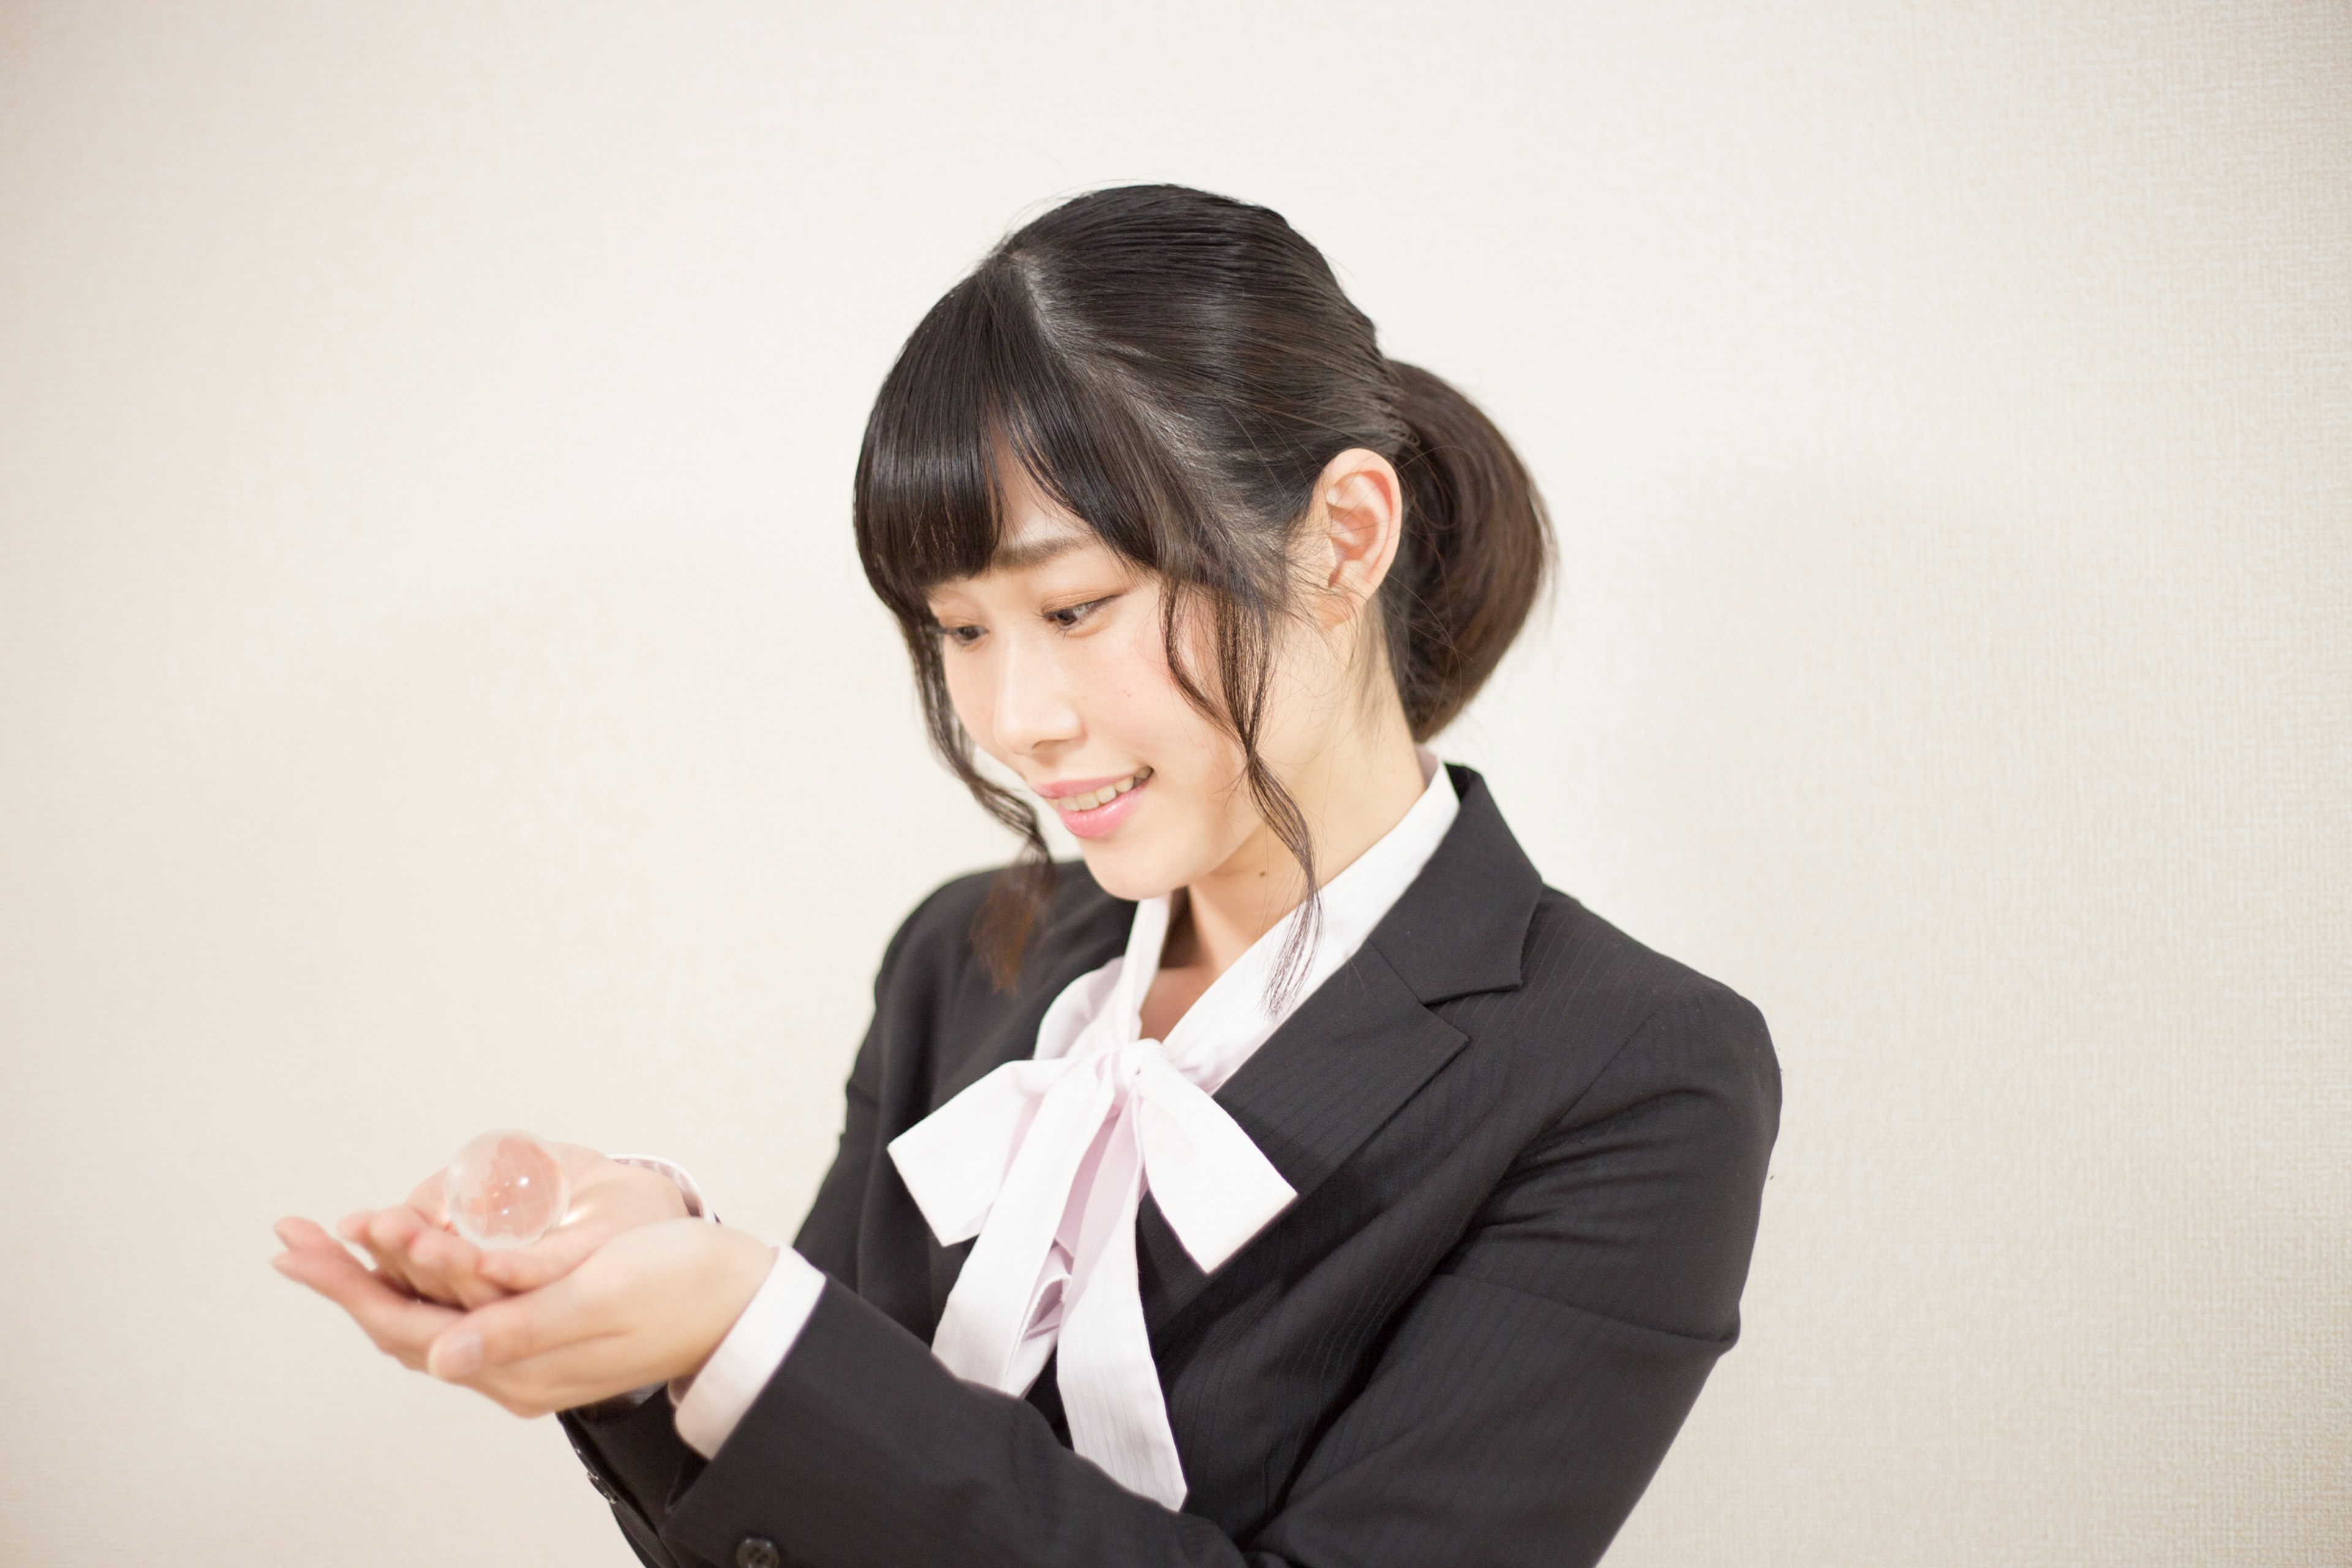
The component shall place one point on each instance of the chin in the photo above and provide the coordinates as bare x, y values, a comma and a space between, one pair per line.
1130, 871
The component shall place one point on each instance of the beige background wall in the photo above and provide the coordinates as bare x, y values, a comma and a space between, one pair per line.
436, 689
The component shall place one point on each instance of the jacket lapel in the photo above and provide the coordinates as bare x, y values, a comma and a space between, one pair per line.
1366, 1042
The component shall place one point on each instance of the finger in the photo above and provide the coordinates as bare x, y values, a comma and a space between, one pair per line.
381, 1233
354, 1229
321, 1263
405, 1244
579, 1373
426, 1199
535, 1323
427, 1259
394, 1229
400, 1326
455, 1264
298, 1232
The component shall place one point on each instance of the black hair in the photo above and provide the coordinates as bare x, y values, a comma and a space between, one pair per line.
1175, 369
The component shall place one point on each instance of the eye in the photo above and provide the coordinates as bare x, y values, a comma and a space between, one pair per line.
1069, 615
962, 636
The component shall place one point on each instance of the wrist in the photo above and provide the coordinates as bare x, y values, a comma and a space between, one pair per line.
740, 1267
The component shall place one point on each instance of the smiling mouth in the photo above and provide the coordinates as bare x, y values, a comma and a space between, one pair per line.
1068, 803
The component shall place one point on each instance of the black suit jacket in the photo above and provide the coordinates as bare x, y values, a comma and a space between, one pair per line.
1529, 1152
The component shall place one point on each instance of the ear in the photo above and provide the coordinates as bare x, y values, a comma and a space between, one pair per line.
1353, 529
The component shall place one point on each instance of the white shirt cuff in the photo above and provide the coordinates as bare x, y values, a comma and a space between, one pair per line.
711, 1403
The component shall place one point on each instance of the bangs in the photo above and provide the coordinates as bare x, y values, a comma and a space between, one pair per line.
980, 382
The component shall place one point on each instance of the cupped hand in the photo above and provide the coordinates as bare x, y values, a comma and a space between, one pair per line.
415, 1251
649, 1305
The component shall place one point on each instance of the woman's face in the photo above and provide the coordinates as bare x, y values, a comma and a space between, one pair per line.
1058, 668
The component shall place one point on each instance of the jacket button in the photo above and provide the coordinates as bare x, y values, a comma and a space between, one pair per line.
756, 1552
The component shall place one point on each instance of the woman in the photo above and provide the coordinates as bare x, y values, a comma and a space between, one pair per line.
1297, 1181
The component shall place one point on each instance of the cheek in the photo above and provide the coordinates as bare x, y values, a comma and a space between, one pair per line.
972, 692
1136, 702
1131, 698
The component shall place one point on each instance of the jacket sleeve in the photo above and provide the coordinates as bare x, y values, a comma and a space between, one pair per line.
635, 1458
1514, 1416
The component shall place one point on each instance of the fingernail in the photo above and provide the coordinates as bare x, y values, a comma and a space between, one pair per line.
456, 1353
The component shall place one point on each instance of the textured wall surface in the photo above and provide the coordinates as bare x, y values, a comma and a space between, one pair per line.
436, 689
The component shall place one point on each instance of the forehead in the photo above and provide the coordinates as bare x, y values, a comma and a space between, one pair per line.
1042, 537
1033, 530
1029, 514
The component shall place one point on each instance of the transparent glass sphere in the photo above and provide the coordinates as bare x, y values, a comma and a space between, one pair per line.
505, 1189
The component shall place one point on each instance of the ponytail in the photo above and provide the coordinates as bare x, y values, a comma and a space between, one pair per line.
1477, 548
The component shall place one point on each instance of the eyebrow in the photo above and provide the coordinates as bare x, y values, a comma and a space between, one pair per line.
1036, 553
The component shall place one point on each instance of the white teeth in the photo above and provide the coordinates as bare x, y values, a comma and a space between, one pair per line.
1103, 796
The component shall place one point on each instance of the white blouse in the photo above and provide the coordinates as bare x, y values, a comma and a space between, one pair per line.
1044, 1162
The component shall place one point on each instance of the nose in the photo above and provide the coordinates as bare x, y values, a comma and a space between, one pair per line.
1035, 711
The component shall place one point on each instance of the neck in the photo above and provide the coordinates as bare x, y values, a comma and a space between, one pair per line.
1352, 791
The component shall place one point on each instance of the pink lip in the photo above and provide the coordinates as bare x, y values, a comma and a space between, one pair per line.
1061, 788
1097, 820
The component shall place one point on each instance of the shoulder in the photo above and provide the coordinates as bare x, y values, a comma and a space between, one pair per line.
1570, 947
1624, 1024
1481, 935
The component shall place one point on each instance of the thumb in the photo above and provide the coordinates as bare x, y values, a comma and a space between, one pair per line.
548, 1259
508, 1331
